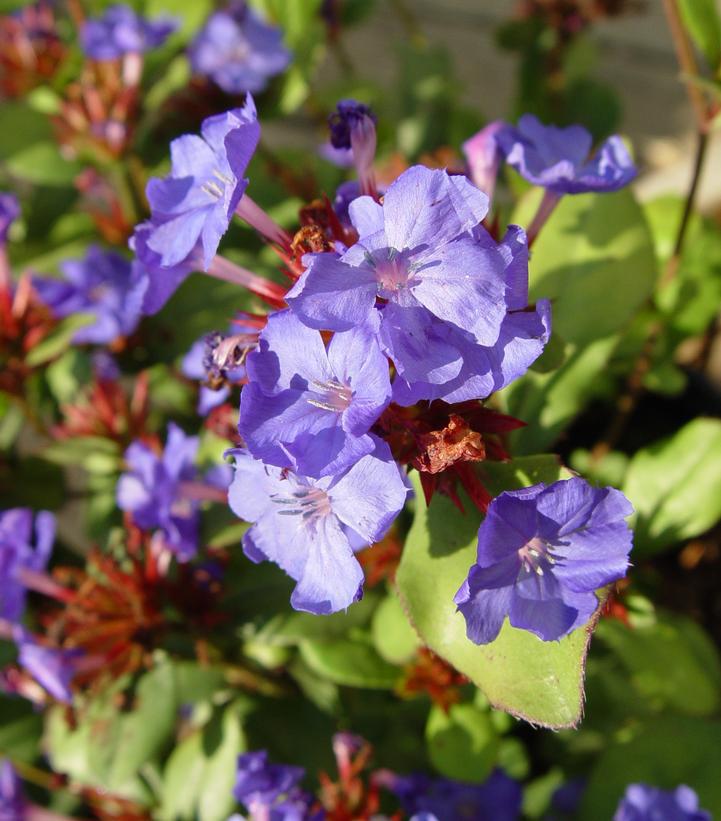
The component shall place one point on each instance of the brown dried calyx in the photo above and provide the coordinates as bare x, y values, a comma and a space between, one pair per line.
456, 442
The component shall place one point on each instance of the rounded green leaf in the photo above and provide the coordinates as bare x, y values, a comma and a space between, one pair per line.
352, 662
462, 743
675, 486
666, 752
393, 635
583, 257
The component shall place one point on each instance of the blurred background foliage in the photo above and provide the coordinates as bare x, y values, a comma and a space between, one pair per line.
627, 392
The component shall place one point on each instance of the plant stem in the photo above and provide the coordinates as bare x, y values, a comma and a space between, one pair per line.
687, 61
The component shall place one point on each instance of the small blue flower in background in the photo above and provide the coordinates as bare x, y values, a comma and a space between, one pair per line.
311, 527
349, 118
52, 668
543, 551
197, 200
558, 158
497, 798
18, 554
12, 800
642, 802
309, 408
121, 31
483, 156
104, 284
238, 50
152, 491
271, 791
9, 212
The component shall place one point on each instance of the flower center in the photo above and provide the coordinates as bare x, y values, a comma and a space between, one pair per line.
306, 501
392, 272
332, 395
215, 188
534, 555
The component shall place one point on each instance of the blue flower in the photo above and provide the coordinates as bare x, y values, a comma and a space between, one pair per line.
309, 408
152, 491
542, 553
642, 802
477, 370
103, 284
197, 200
271, 791
238, 50
446, 299
558, 158
121, 31
417, 255
19, 556
163, 281
54, 669
12, 800
483, 157
498, 797
311, 527
348, 122
9, 212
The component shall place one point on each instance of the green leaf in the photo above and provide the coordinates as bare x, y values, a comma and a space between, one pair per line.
393, 635
675, 486
666, 752
553, 400
58, 340
29, 127
462, 743
20, 729
69, 374
691, 684
539, 681
582, 258
200, 773
108, 748
701, 18
304, 35
42, 164
294, 627
351, 662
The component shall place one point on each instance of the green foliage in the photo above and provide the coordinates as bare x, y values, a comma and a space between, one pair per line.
393, 636
108, 748
671, 663
583, 256
303, 33
200, 773
675, 486
58, 340
665, 752
462, 743
351, 661
701, 18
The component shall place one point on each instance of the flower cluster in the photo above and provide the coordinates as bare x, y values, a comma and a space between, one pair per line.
104, 285
163, 493
400, 301
121, 31
238, 50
